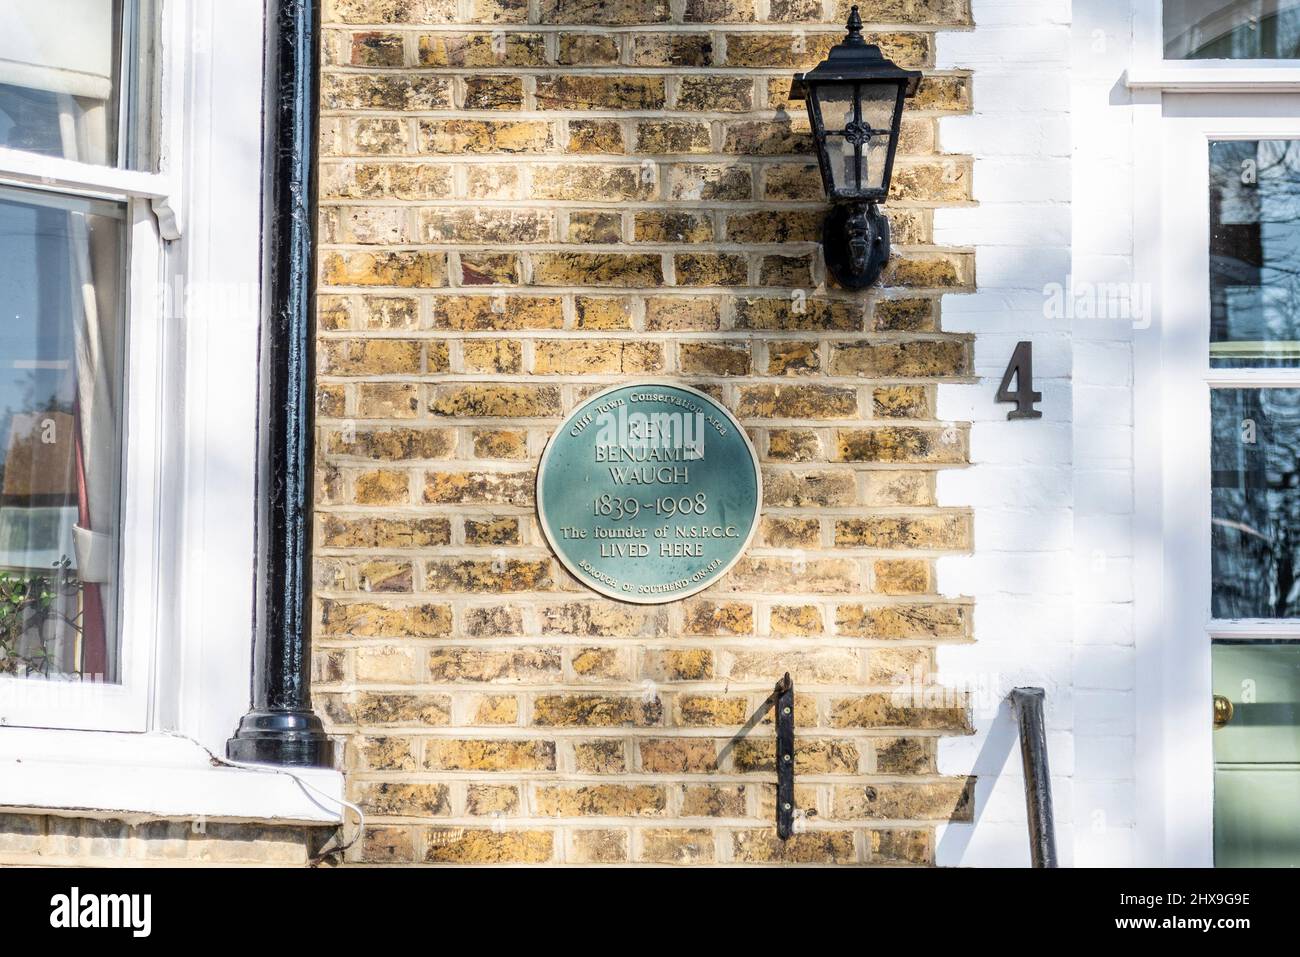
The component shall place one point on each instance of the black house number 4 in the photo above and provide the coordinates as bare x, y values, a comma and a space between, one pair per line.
1021, 367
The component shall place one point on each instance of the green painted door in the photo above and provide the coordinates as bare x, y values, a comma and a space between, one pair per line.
1257, 754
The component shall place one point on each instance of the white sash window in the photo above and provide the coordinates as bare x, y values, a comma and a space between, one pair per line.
130, 263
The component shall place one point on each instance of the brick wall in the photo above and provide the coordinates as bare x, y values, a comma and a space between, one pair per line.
54, 840
523, 202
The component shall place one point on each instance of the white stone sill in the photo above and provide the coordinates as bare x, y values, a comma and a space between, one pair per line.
1214, 79
150, 776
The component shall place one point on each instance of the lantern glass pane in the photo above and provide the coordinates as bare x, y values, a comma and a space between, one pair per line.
874, 156
843, 162
878, 101
836, 103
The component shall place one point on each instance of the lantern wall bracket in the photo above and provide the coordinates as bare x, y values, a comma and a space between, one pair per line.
784, 694
855, 242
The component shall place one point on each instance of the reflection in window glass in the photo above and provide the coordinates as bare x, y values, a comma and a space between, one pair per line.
1255, 253
1232, 29
60, 421
1255, 512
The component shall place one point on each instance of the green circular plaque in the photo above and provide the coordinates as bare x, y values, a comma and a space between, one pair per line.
649, 492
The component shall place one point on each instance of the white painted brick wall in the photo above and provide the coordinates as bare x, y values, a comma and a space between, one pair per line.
1051, 570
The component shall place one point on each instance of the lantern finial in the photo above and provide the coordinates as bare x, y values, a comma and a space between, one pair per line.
854, 26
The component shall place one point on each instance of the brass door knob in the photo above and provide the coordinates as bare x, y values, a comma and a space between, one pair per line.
1222, 711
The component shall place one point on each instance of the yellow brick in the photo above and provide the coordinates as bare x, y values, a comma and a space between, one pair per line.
462, 845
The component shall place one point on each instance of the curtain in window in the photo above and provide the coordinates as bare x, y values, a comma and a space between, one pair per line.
56, 66
93, 253
59, 46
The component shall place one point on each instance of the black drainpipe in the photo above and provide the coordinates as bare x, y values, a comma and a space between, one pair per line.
281, 727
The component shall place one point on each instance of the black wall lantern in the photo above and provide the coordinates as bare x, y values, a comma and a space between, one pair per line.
855, 105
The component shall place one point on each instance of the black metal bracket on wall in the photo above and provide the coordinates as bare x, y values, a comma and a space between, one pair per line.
784, 694
281, 728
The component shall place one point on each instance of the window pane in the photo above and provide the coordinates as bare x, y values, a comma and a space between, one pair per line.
62, 88
61, 339
1255, 503
1232, 29
1255, 253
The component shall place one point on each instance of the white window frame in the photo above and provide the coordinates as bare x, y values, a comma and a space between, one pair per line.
190, 455
1175, 754
1151, 71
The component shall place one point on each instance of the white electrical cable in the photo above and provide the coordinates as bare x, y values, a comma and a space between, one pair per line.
343, 803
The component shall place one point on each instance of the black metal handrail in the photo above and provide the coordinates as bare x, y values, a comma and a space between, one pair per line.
1027, 704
